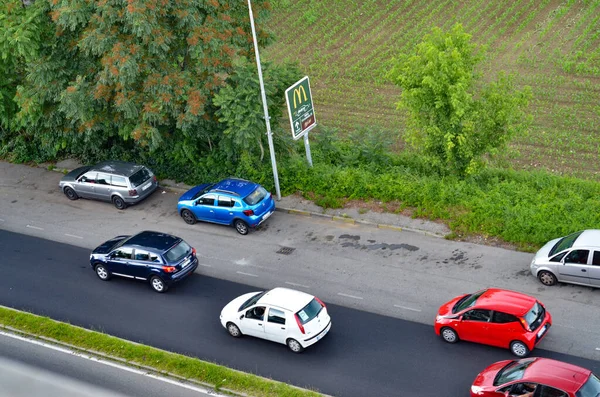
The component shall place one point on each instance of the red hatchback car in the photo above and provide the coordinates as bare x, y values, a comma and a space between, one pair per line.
535, 377
494, 317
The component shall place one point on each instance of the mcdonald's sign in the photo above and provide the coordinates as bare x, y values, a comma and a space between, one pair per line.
300, 108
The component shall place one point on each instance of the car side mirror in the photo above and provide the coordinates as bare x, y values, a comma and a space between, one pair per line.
242, 317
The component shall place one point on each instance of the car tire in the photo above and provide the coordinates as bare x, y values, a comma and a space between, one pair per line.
70, 193
241, 227
294, 345
157, 284
102, 273
547, 278
519, 349
234, 330
188, 217
449, 335
119, 203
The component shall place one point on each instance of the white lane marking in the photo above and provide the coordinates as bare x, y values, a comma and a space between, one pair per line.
297, 285
408, 308
34, 227
349, 296
247, 274
102, 360
72, 235
1, 220
598, 348
204, 264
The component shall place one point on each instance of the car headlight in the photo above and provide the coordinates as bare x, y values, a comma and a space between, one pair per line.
438, 317
476, 389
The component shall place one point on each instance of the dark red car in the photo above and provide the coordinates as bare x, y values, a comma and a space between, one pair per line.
535, 377
494, 317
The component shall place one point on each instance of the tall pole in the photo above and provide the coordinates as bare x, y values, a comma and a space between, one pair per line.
265, 107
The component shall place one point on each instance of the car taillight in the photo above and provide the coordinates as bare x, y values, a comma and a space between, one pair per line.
248, 212
320, 301
299, 323
133, 192
524, 324
154, 178
169, 269
194, 251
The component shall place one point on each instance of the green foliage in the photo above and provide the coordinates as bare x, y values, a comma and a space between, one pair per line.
240, 109
451, 121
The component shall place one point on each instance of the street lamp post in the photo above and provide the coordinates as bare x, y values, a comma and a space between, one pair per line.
265, 107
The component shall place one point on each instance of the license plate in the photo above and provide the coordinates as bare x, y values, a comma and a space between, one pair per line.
541, 331
147, 186
187, 262
268, 214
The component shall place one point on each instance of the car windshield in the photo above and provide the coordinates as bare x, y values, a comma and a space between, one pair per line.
591, 388
140, 177
201, 192
512, 371
253, 299
533, 315
256, 196
177, 252
564, 243
466, 302
309, 311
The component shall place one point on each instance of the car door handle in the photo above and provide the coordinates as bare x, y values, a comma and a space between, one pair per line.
583, 270
212, 211
282, 327
259, 323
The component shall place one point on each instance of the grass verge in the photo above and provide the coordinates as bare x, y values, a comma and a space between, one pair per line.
223, 379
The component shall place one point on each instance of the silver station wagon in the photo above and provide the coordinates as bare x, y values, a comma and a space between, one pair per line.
571, 259
119, 182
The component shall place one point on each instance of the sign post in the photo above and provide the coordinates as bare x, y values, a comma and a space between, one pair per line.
301, 112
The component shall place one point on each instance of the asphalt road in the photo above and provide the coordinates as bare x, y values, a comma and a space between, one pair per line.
364, 354
29, 368
399, 274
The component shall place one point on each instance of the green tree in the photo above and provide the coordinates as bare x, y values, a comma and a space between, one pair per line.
240, 109
454, 117
134, 74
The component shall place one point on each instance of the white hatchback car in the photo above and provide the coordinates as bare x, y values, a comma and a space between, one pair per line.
281, 315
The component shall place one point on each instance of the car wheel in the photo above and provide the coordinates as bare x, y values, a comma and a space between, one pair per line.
449, 335
241, 226
519, 349
119, 203
295, 346
157, 284
101, 272
547, 278
188, 217
233, 330
70, 193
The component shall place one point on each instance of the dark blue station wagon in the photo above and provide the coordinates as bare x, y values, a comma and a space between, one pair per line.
159, 258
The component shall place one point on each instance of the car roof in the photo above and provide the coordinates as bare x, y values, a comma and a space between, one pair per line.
286, 298
149, 240
117, 167
558, 374
506, 301
588, 238
235, 186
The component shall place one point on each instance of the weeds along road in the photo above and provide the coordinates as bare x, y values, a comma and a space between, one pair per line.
364, 354
398, 274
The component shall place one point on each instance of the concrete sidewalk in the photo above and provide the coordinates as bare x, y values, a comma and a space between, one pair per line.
296, 204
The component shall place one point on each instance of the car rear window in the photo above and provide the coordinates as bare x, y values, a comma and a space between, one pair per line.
564, 243
256, 196
591, 388
512, 371
178, 252
535, 316
140, 177
309, 311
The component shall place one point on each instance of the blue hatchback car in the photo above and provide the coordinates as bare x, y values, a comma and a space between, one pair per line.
236, 202
159, 258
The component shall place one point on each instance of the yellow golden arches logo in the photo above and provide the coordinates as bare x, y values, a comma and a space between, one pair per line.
298, 94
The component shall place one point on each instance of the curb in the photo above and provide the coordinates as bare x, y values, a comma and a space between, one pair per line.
353, 221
